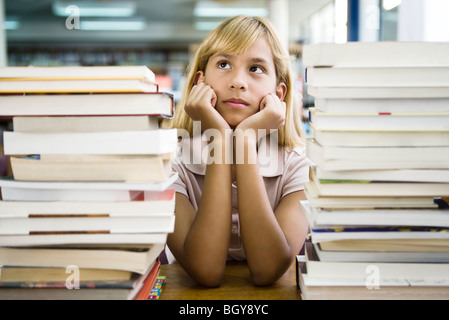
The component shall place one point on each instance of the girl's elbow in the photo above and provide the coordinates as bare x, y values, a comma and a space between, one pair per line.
209, 278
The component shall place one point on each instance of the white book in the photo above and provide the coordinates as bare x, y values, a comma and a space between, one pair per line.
87, 223
98, 239
378, 77
377, 158
331, 218
378, 92
79, 191
158, 141
151, 202
385, 270
379, 121
117, 104
77, 72
377, 54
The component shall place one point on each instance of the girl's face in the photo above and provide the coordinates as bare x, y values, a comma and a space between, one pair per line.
242, 81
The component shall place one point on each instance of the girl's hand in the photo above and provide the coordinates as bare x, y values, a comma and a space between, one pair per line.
200, 106
270, 117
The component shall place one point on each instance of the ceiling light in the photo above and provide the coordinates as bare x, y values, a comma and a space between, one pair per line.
11, 24
230, 9
113, 25
95, 9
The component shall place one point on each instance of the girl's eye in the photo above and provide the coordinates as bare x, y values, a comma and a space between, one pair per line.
224, 65
256, 69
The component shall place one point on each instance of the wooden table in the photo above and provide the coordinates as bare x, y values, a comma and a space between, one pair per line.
237, 285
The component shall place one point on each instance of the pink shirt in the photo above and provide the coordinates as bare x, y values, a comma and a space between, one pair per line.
284, 171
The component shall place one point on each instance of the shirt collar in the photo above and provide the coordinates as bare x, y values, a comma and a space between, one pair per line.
269, 155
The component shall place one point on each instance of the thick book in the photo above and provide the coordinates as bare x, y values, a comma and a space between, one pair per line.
424, 271
382, 256
395, 77
101, 223
134, 288
92, 168
381, 138
349, 188
355, 158
160, 202
77, 86
154, 104
332, 288
382, 106
377, 54
397, 175
77, 79
354, 202
387, 245
84, 123
331, 218
77, 72
379, 121
13, 190
82, 238
134, 259
378, 92
158, 141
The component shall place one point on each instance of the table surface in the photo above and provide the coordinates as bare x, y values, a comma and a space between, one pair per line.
237, 285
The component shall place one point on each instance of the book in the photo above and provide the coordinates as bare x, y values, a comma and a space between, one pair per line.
158, 141
32, 275
382, 256
361, 54
149, 202
381, 138
426, 272
348, 188
76, 86
353, 202
13, 190
101, 223
134, 288
420, 77
383, 232
376, 106
402, 217
349, 158
379, 121
77, 72
134, 259
151, 168
387, 245
77, 79
82, 238
117, 104
404, 175
312, 288
84, 123
377, 92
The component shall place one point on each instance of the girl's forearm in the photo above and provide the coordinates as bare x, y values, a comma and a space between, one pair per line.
207, 243
266, 247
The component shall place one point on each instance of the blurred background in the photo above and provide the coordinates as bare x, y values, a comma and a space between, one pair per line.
163, 34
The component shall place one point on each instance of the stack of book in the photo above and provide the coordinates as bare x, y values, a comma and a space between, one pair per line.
377, 197
88, 209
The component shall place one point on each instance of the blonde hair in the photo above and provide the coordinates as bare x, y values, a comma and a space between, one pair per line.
235, 35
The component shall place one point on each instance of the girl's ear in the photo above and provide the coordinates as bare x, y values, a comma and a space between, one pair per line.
199, 77
281, 91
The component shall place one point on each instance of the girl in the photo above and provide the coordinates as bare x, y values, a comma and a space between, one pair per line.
240, 86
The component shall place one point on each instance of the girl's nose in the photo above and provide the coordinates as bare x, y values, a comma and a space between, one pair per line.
238, 82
